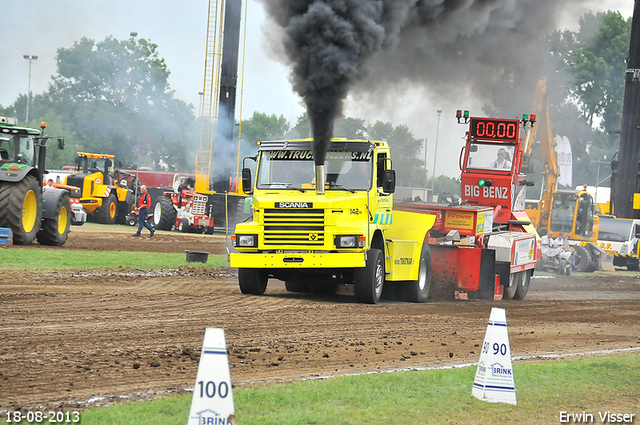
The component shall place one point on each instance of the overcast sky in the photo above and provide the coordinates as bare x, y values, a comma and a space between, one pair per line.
40, 27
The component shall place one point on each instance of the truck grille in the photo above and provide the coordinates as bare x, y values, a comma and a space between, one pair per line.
294, 226
199, 205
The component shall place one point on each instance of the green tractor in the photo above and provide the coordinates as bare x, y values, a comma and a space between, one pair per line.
26, 208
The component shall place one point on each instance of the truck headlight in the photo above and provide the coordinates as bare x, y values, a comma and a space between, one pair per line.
350, 241
247, 241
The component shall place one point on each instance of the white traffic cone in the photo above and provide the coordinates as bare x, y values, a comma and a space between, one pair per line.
212, 401
494, 377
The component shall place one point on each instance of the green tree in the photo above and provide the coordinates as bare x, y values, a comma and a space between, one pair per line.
597, 62
405, 148
261, 127
117, 95
445, 184
586, 95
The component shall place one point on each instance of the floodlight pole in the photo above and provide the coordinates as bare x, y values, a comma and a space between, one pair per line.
30, 59
435, 155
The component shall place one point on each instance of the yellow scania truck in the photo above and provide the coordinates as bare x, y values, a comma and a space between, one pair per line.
316, 241
316, 229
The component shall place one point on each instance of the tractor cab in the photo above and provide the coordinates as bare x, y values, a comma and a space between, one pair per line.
18, 144
90, 163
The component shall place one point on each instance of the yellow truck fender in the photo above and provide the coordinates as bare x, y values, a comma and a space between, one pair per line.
403, 244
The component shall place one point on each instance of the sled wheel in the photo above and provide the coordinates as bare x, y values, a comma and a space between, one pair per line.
510, 290
523, 286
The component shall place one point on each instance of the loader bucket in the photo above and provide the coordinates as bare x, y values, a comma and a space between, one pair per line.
605, 262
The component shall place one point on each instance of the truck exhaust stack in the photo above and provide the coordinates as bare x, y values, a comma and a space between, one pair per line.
320, 181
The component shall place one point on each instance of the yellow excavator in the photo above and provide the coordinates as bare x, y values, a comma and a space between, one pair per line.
560, 210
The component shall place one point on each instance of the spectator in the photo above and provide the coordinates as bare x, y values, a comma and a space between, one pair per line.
143, 209
563, 240
547, 240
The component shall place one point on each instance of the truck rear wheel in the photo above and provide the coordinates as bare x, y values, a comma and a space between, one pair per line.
296, 286
252, 281
106, 213
369, 280
164, 214
54, 231
417, 291
20, 209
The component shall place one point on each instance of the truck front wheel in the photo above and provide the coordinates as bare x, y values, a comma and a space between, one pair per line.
252, 281
369, 280
417, 291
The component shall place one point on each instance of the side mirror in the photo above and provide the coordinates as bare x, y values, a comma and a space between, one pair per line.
61, 143
246, 180
389, 181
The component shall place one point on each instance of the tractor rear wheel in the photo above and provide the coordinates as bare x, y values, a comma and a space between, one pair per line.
21, 209
164, 214
369, 280
54, 231
106, 213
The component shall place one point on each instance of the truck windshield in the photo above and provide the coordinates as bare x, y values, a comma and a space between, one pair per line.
615, 230
490, 156
295, 170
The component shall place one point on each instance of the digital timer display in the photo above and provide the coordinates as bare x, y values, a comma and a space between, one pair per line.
494, 129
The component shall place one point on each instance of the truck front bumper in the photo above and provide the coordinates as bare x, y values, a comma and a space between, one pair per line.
324, 260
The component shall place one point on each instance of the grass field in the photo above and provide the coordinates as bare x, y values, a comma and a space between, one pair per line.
33, 259
591, 385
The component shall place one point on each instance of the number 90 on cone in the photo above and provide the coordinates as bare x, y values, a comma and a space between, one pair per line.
494, 381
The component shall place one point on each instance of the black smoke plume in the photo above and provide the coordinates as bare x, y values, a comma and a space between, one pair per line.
328, 41
449, 46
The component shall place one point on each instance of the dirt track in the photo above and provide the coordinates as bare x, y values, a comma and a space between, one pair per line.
73, 335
